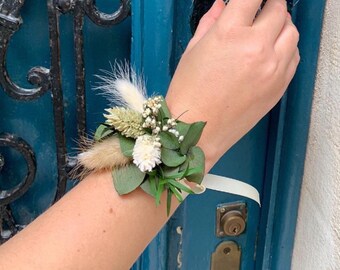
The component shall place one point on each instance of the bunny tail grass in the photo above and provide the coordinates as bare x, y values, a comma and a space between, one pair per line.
100, 156
122, 87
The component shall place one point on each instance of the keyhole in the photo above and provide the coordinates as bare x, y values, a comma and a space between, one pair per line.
226, 250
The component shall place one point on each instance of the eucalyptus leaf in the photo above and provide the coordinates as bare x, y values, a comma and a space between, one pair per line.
169, 140
127, 179
126, 145
192, 137
192, 171
101, 132
172, 158
153, 187
164, 112
196, 162
184, 166
147, 188
182, 128
169, 172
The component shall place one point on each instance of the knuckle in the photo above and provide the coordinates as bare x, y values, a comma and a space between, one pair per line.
298, 57
225, 32
258, 49
294, 34
271, 69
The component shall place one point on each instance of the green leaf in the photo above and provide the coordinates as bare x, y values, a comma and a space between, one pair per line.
172, 158
168, 202
126, 145
176, 193
192, 171
147, 188
169, 140
180, 186
164, 111
182, 128
127, 179
153, 187
101, 132
192, 137
196, 162
168, 172
159, 192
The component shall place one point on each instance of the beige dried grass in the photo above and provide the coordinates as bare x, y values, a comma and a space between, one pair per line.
100, 156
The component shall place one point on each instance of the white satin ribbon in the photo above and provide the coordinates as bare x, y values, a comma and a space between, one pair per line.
225, 184
233, 186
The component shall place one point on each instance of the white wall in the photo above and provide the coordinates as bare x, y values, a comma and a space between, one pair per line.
317, 242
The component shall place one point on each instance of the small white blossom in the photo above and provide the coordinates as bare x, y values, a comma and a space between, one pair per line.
156, 130
173, 131
165, 128
181, 138
147, 152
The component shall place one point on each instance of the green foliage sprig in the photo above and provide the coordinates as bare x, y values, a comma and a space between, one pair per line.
162, 149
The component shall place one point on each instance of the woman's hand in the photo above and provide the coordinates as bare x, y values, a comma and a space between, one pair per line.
234, 70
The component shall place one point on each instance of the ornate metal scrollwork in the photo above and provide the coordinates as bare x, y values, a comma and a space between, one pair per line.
10, 22
105, 19
45, 79
9, 140
10, 195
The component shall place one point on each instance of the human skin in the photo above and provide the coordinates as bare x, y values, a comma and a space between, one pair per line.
233, 72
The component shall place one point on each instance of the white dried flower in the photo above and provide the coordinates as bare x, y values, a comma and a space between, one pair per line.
147, 153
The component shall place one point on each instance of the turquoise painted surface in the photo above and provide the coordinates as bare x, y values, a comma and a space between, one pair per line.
33, 120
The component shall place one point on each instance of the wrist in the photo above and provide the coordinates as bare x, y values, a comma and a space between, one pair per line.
192, 115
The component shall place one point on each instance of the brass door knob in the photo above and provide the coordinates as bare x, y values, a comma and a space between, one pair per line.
233, 223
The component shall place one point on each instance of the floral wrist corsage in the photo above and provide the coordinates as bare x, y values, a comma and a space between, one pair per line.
142, 144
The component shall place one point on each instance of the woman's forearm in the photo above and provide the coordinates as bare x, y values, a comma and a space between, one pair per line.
91, 227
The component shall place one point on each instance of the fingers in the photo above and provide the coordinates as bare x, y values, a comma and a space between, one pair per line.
206, 22
272, 18
209, 18
240, 12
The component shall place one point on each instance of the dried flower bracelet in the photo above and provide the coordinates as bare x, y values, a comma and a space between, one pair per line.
143, 145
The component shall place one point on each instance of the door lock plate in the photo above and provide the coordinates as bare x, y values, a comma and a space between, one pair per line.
231, 219
227, 256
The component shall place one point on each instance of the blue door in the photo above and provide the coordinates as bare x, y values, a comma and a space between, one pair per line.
270, 157
62, 44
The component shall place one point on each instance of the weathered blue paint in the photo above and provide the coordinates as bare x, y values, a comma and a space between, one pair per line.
287, 146
33, 120
270, 157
